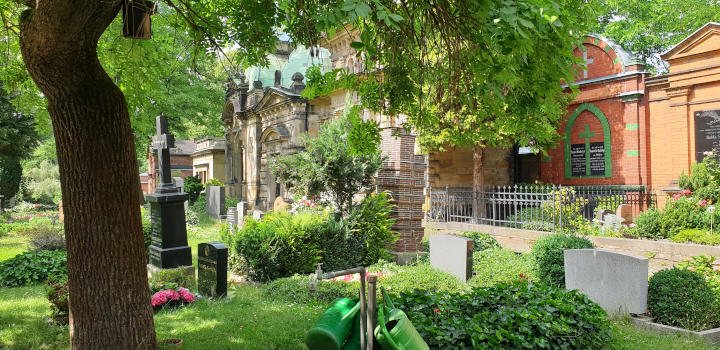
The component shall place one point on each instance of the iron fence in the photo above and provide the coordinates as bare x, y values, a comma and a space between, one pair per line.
545, 208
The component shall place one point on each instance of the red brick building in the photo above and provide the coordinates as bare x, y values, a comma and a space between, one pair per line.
181, 165
604, 140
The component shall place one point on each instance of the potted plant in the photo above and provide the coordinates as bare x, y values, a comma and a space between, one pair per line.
136, 18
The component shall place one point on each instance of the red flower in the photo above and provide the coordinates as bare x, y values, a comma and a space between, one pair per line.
436, 310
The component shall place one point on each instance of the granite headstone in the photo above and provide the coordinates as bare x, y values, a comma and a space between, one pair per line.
453, 254
212, 269
215, 206
617, 282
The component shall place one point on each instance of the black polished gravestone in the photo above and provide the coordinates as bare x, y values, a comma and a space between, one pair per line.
169, 247
212, 269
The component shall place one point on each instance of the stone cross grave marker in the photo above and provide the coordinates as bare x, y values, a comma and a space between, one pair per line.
215, 206
453, 254
617, 282
212, 269
169, 247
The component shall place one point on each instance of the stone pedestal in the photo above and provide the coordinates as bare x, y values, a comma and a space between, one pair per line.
169, 247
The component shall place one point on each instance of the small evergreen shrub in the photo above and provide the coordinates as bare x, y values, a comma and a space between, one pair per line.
649, 224
682, 298
46, 237
193, 186
694, 235
57, 292
33, 267
214, 182
515, 315
481, 241
549, 258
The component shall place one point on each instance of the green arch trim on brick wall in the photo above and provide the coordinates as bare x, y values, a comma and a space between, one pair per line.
606, 139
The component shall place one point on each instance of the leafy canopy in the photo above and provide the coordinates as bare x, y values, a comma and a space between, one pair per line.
17, 130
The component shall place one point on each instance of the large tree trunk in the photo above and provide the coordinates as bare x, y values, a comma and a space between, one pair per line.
478, 184
109, 295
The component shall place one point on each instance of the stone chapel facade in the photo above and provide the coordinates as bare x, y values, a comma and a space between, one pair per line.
265, 116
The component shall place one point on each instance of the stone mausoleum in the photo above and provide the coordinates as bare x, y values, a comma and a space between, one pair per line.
265, 116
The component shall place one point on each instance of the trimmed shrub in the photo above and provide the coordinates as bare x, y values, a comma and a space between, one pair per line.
33, 267
46, 237
549, 258
696, 236
649, 224
372, 223
481, 241
493, 266
682, 298
507, 316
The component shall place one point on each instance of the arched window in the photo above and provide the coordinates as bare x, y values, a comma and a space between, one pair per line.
587, 145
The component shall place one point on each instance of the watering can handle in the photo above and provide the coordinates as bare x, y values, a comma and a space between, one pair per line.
383, 329
386, 298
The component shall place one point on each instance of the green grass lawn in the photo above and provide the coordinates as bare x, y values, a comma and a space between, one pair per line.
11, 246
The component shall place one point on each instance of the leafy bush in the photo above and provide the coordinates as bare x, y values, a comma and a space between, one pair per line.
507, 316
701, 179
200, 205
501, 265
230, 202
283, 244
214, 182
33, 267
193, 186
549, 258
372, 223
147, 233
681, 213
649, 224
481, 241
57, 292
682, 298
696, 236
704, 265
43, 183
15, 228
191, 218
46, 237
167, 276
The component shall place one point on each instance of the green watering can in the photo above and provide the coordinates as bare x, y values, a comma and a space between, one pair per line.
332, 328
397, 332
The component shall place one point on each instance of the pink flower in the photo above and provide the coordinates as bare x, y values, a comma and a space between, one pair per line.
172, 295
691, 268
158, 299
436, 310
702, 203
186, 295
677, 196
716, 268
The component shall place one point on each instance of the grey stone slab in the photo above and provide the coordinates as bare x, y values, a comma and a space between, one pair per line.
452, 254
232, 218
617, 282
215, 206
258, 214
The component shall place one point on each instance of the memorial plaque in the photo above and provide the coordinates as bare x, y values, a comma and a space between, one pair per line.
597, 158
577, 160
707, 132
212, 269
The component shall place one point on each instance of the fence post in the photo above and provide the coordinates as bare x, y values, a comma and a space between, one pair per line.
561, 207
447, 203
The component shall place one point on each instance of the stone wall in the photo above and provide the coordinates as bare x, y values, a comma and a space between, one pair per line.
661, 254
454, 167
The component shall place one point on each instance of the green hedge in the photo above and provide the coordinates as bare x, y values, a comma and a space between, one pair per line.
682, 298
549, 257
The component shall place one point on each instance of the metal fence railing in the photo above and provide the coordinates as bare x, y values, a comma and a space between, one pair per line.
531, 206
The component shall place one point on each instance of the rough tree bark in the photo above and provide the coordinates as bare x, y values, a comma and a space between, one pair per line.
109, 295
478, 181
